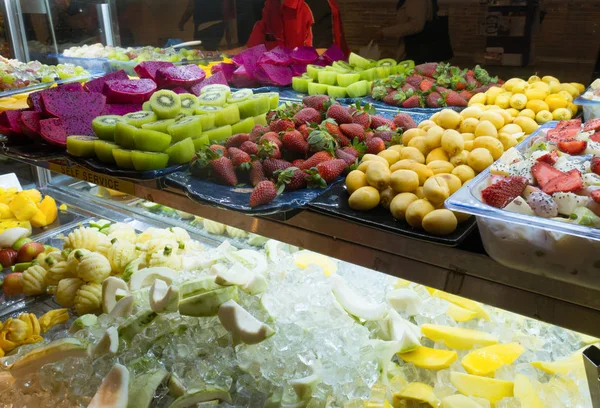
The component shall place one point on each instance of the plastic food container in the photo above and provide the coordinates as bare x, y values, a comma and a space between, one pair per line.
591, 107
541, 246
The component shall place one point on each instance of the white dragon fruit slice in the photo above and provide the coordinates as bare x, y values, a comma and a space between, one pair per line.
542, 204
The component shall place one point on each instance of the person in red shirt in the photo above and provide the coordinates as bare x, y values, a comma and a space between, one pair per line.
290, 23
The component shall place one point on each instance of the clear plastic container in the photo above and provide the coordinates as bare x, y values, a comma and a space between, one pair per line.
591, 107
555, 249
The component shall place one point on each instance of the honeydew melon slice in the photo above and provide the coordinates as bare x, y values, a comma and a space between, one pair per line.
193, 397
207, 304
136, 324
355, 304
317, 89
147, 276
336, 91
113, 393
201, 285
347, 79
303, 387
82, 322
242, 325
164, 298
431, 359
458, 338
143, 387
483, 387
50, 353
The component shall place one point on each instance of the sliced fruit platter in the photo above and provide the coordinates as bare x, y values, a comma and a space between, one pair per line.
136, 54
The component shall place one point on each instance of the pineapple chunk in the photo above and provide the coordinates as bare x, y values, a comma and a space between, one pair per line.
5, 211
23, 207
34, 194
485, 361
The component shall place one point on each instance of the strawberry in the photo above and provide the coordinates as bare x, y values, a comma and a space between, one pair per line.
355, 150
258, 131
307, 115
568, 124
408, 87
562, 135
592, 125
392, 98
271, 115
292, 178
270, 166
263, 193
481, 89
353, 130
466, 95
566, 183
272, 137
320, 140
385, 135
549, 158
426, 85
434, 100
378, 121
297, 162
238, 157
331, 169
268, 149
334, 130
362, 118
294, 142
414, 80
249, 147
454, 99
237, 140
219, 150
318, 102
595, 137
595, 165
375, 145
281, 125
572, 147
412, 102
500, 194
596, 196
223, 171
340, 114
305, 130
543, 173
427, 69
257, 173
349, 158
404, 121
315, 159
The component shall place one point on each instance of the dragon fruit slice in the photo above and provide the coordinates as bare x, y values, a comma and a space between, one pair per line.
217, 78
242, 79
184, 76
334, 53
250, 60
70, 87
73, 104
277, 75
298, 68
34, 98
321, 62
148, 69
29, 121
128, 91
10, 120
97, 85
225, 68
120, 109
180, 90
277, 56
306, 55
55, 131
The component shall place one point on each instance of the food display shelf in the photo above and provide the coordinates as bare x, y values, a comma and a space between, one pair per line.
465, 270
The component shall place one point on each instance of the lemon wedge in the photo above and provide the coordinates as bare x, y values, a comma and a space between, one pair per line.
431, 359
525, 393
460, 314
416, 391
456, 337
483, 387
305, 258
485, 361
463, 302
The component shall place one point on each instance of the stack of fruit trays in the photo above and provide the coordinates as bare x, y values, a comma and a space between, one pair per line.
15, 74
136, 54
433, 85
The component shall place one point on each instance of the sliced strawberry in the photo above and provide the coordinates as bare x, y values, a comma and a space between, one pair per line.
549, 158
593, 124
572, 147
596, 196
566, 183
543, 173
500, 194
595, 165
567, 124
562, 135
595, 137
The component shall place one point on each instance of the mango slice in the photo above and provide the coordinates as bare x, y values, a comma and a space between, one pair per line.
588, 339
460, 314
23, 207
48, 207
483, 387
416, 391
34, 194
562, 366
305, 258
401, 283
485, 361
525, 393
431, 359
5, 211
459, 401
462, 302
456, 337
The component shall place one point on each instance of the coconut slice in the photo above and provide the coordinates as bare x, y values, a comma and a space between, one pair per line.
50, 353
303, 387
255, 259
124, 307
193, 397
242, 325
406, 300
11, 235
143, 387
201, 285
237, 275
109, 292
208, 303
114, 391
108, 344
147, 276
355, 304
136, 324
163, 298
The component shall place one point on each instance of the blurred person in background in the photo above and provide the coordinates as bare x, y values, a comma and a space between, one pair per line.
208, 17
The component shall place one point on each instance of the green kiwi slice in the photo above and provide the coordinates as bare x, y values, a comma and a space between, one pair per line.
125, 135
213, 98
337, 91
159, 126
104, 126
342, 64
358, 89
166, 104
240, 96
103, 150
144, 161
300, 84
328, 77
347, 79
189, 103
140, 118
274, 99
256, 105
216, 88
147, 107
123, 158
186, 127
244, 126
228, 115
219, 134
201, 141
358, 61
317, 89
182, 151
313, 71
81, 146
369, 74
340, 70
261, 119
382, 72
151, 141
207, 121
204, 109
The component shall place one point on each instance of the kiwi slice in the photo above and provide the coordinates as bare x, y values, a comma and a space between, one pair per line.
256, 105
81, 146
382, 72
317, 89
140, 118
182, 151
337, 91
151, 141
207, 121
340, 70
358, 89
186, 127
189, 103
147, 107
204, 109
261, 119
103, 150
166, 104
328, 77
228, 115
125, 135
300, 84
104, 126
347, 79
387, 62
369, 74
123, 158
216, 88
244, 126
219, 134
213, 98
273, 99
357, 61
201, 141
144, 161
240, 96
313, 71
159, 126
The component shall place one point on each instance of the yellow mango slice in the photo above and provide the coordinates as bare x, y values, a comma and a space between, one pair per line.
416, 391
456, 337
34, 194
305, 258
39, 220
5, 211
525, 393
63, 207
459, 401
564, 366
460, 314
463, 302
588, 339
485, 361
483, 387
401, 283
23, 207
48, 207
431, 359
14, 223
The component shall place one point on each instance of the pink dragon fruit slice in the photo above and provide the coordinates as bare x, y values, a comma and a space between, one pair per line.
298, 68
216, 78
129, 91
73, 104
305, 55
334, 53
184, 76
10, 120
277, 75
321, 62
120, 109
34, 98
97, 85
70, 87
180, 90
29, 121
225, 68
277, 56
147, 69
242, 79
53, 132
